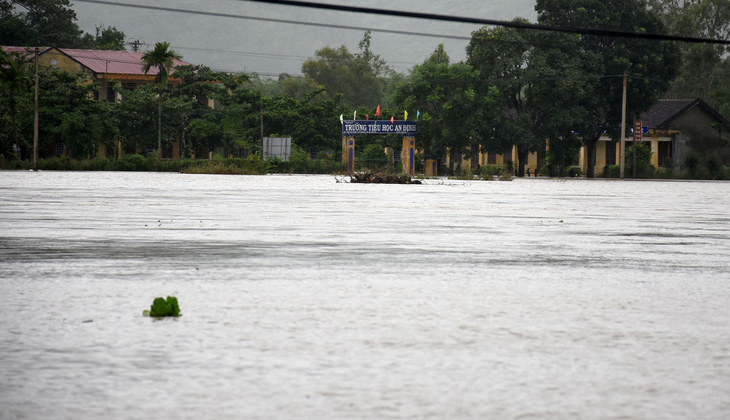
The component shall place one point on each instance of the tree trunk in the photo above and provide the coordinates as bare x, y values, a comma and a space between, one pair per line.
159, 127
591, 156
522, 155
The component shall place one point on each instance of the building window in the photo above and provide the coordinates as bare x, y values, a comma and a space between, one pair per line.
664, 153
610, 153
491, 158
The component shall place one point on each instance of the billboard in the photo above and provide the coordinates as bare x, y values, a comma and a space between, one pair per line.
352, 127
279, 147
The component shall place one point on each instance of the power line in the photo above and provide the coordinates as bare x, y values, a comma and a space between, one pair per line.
265, 55
274, 20
246, 53
482, 21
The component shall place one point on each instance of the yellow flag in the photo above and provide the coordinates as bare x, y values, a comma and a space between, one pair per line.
405, 115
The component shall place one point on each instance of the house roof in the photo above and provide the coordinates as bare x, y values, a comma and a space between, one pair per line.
26, 52
661, 115
113, 62
100, 61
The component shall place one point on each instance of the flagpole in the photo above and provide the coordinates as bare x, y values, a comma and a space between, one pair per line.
622, 147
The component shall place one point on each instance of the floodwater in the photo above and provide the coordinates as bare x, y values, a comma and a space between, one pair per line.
308, 298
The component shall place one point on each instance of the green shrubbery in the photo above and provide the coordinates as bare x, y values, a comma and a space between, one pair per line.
299, 163
501, 172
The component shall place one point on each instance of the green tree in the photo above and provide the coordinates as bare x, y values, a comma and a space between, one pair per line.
704, 72
106, 38
315, 126
360, 78
68, 115
162, 58
136, 115
651, 65
198, 85
15, 80
450, 109
542, 84
38, 23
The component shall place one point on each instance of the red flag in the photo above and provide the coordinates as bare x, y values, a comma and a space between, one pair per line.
367, 117
377, 111
391, 119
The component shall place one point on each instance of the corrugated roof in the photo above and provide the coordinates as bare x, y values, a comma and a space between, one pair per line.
100, 61
25, 51
116, 62
11, 49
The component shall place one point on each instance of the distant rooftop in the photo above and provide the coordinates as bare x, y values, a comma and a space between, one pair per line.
661, 115
100, 61
115, 62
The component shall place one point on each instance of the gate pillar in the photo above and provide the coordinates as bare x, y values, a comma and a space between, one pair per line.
348, 153
408, 155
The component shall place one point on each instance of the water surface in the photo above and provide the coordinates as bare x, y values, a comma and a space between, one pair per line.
304, 297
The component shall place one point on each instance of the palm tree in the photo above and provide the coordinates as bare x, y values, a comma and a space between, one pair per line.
163, 58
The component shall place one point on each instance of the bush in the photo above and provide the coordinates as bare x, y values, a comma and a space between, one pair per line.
132, 163
488, 172
574, 171
506, 175
464, 173
714, 167
237, 166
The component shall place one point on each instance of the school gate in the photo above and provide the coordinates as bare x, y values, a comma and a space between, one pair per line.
406, 128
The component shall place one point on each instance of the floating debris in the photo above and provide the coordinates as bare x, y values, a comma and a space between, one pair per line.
163, 307
371, 177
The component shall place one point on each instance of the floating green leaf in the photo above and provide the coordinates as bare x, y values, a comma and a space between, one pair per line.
164, 307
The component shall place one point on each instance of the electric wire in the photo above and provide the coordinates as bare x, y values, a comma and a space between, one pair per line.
395, 13
416, 15
274, 20
482, 21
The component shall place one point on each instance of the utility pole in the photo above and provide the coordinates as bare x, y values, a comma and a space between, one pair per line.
633, 147
135, 45
261, 122
622, 147
36, 114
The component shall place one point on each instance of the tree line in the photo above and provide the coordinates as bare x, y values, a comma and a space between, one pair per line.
517, 87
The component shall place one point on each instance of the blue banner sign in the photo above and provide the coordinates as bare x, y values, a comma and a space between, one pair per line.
407, 128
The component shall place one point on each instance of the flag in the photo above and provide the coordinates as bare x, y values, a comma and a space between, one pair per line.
354, 116
405, 115
418, 114
391, 119
367, 117
377, 111
341, 121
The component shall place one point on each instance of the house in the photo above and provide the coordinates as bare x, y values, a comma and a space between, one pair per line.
671, 128
103, 67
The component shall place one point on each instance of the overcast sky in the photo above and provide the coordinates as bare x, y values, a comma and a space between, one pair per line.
244, 45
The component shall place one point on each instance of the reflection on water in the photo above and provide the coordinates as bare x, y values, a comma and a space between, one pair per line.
307, 298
